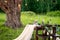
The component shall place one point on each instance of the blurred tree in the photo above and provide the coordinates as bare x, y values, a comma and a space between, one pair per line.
41, 6
12, 8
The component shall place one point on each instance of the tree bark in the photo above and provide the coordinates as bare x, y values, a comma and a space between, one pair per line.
12, 8
13, 19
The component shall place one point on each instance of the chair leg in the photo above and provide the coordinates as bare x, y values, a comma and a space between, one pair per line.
36, 37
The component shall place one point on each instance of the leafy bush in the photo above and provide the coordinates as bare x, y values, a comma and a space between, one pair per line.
29, 13
53, 13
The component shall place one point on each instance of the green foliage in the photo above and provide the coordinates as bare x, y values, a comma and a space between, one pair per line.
28, 13
40, 6
7, 33
54, 13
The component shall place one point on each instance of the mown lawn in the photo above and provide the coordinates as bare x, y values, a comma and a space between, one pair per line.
7, 33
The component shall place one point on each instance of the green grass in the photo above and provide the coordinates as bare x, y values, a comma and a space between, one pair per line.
7, 33
53, 13
26, 18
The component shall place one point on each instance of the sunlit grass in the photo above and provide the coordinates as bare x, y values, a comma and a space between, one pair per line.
26, 18
7, 33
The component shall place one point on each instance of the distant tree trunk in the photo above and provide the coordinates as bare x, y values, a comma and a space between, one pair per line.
12, 8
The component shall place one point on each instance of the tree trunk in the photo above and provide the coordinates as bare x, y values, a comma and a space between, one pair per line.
12, 8
13, 19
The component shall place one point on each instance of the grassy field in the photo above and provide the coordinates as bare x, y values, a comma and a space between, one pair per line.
7, 33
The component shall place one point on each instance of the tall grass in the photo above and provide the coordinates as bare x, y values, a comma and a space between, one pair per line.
54, 13
30, 17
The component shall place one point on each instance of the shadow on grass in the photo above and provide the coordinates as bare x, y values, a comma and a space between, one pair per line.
1, 20
2, 25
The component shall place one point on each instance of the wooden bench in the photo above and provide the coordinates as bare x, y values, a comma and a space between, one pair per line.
44, 35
